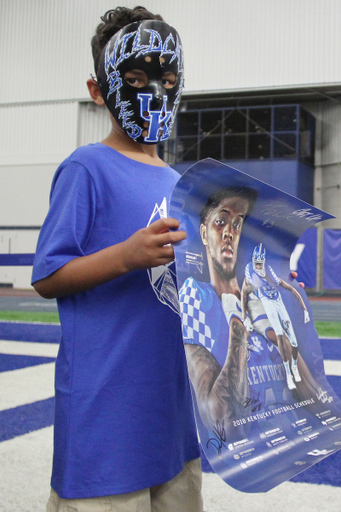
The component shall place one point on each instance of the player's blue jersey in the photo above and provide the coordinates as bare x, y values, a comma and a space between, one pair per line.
204, 323
264, 286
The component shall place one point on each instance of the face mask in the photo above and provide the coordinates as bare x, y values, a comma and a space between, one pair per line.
145, 113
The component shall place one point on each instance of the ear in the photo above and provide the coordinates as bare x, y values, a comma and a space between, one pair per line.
95, 92
203, 233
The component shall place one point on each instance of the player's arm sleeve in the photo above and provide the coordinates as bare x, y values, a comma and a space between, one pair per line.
274, 276
194, 328
67, 227
248, 276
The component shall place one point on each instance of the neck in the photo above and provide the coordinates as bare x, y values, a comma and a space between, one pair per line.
121, 142
223, 284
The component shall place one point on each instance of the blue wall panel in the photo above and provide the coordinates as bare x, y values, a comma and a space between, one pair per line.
306, 267
332, 259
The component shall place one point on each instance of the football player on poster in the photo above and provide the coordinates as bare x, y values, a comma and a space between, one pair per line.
261, 279
246, 414
225, 361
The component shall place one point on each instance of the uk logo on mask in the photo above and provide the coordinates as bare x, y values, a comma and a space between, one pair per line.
158, 119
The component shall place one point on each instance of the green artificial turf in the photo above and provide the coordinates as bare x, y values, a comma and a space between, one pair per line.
332, 329
30, 316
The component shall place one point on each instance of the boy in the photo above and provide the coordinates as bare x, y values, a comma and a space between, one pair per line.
125, 437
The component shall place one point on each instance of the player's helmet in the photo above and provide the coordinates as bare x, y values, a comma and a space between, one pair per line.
258, 260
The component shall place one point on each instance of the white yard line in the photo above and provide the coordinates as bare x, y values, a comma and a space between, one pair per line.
26, 385
332, 367
25, 471
28, 323
334, 338
26, 348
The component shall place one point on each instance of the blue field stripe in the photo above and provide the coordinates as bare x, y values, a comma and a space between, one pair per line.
30, 417
26, 418
39, 333
10, 362
331, 348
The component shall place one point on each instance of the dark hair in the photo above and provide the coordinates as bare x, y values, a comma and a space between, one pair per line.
214, 200
113, 21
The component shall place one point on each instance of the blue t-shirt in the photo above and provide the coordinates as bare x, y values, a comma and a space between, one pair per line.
124, 418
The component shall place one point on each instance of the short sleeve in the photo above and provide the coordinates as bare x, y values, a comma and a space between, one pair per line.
69, 222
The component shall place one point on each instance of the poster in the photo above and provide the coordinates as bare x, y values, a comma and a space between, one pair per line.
263, 406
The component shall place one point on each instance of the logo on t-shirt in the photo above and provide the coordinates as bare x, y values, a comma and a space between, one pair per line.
163, 278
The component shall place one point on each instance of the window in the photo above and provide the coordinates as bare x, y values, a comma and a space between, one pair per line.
259, 120
276, 131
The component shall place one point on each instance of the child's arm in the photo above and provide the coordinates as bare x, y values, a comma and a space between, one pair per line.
146, 248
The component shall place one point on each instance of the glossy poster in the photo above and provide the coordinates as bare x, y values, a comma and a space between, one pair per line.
263, 406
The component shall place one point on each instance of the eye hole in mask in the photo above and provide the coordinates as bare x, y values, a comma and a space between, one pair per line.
138, 78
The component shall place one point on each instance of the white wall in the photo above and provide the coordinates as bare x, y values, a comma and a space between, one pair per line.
24, 194
93, 124
230, 44
14, 241
327, 193
37, 133
35, 138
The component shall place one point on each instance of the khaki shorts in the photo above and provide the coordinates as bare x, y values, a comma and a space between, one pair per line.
181, 494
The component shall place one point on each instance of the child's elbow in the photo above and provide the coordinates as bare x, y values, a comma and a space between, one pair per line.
44, 289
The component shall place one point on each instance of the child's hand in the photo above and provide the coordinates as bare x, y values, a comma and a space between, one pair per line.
148, 247
152, 246
294, 275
